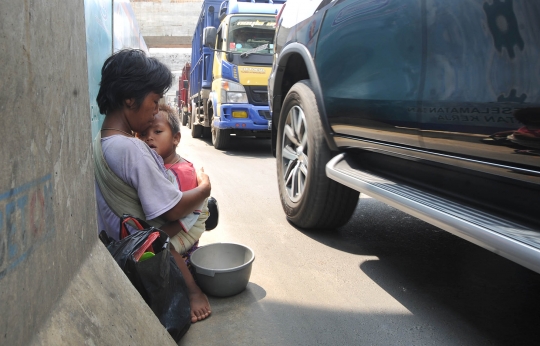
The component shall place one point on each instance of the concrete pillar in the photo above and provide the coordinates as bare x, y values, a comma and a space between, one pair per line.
58, 284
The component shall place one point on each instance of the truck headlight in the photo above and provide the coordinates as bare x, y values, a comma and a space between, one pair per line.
232, 92
236, 97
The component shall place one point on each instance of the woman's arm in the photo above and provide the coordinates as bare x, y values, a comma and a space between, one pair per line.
172, 228
190, 199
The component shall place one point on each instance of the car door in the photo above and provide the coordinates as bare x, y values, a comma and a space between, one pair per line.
482, 67
368, 57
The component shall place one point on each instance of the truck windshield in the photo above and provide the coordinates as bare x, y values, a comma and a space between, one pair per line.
251, 34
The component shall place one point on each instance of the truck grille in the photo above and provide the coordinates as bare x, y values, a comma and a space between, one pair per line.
257, 95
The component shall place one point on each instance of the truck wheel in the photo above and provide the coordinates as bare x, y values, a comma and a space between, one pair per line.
309, 198
220, 138
207, 132
196, 130
184, 118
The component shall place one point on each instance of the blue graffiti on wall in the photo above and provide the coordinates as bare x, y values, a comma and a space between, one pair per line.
25, 221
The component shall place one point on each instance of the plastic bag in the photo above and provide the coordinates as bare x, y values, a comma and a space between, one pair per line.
157, 278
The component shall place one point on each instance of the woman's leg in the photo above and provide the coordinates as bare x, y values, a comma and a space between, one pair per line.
200, 307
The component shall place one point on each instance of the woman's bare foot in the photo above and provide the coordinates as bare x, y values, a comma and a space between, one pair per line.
200, 307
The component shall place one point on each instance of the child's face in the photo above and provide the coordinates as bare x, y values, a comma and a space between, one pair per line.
160, 137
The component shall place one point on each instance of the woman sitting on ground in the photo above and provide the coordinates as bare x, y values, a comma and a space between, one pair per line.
131, 86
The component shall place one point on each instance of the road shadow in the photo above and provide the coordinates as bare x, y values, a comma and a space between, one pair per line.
248, 147
271, 322
427, 269
252, 294
236, 305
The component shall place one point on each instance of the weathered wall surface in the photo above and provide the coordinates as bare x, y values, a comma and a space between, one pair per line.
47, 212
97, 309
167, 23
47, 207
175, 59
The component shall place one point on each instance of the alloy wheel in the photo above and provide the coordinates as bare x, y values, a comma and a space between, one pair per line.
294, 153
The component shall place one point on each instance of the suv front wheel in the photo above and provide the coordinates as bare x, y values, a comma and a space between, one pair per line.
309, 198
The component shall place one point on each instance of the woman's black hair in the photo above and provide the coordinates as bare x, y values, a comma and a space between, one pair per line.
127, 74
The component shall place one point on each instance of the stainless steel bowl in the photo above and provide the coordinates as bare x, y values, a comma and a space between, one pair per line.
222, 269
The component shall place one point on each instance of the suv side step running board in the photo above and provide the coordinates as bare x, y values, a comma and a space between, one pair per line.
513, 241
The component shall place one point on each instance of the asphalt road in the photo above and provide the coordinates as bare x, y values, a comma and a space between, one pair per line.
385, 278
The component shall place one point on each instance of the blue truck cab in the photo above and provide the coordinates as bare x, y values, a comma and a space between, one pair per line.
232, 55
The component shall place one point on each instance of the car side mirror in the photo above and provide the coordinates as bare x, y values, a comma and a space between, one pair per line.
185, 84
209, 37
230, 57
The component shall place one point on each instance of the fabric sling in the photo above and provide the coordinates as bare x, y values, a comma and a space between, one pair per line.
120, 197
123, 199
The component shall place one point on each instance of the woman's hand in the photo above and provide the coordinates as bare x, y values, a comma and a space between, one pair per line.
191, 199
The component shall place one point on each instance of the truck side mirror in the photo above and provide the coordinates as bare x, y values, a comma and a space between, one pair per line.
209, 37
223, 10
185, 84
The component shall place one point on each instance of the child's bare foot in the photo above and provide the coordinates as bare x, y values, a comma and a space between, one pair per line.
200, 307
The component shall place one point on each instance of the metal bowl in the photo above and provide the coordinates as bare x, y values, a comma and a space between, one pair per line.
222, 269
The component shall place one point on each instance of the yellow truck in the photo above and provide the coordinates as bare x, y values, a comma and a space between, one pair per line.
232, 53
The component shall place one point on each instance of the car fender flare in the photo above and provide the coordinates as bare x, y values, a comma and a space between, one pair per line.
281, 63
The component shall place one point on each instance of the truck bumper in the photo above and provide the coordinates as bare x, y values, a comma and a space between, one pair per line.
256, 120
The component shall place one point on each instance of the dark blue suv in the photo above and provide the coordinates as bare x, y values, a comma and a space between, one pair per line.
431, 106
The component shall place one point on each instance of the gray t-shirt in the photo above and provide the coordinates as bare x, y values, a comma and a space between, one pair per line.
143, 169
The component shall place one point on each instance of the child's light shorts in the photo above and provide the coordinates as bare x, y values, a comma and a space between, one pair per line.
183, 241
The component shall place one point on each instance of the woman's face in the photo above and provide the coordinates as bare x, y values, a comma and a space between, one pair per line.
142, 118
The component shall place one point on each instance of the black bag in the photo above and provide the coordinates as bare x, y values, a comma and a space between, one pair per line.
158, 279
213, 218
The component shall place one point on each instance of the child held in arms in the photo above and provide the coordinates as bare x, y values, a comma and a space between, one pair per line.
163, 137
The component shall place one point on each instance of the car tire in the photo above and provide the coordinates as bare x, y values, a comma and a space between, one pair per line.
309, 198
220, 137
196, 130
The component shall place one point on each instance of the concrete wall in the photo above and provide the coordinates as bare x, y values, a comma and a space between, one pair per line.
55, 286
167, 27
175, 59
167, 23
